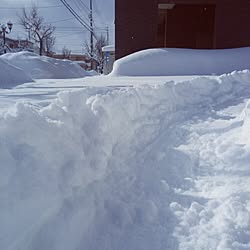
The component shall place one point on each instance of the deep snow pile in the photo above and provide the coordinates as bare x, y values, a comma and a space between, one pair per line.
11, 76
42, 67
164, 62
148, 167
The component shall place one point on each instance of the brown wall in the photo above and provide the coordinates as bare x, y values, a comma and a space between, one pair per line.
135, 29
136, 23
232, 23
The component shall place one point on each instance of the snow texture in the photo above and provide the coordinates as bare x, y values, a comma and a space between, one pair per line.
164, 62
11, 76
42, 67
146, 167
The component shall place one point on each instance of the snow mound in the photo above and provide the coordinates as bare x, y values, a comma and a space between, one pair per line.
11, 76
100, 166
163, 62
42, 67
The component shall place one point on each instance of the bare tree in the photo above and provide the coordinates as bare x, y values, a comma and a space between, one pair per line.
49, 44
66, 52
35, 25
98, 56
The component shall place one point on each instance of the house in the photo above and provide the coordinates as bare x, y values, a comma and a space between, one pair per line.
14, 45
198, 24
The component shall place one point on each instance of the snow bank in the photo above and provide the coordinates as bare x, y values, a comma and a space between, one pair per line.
220, 218
11, 76
163, 62
103, 165
42, 67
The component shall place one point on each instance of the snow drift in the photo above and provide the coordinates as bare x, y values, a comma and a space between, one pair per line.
107, 168
42, 67
11, 76
163, 62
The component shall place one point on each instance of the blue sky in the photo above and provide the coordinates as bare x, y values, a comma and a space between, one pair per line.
68, 32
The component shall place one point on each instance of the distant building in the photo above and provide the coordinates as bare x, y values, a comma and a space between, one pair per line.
199, 24
109, 58
14, 45
82, 60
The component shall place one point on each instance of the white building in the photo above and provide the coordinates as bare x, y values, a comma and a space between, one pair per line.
109, 58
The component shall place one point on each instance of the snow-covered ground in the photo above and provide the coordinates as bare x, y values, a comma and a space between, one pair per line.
126, 163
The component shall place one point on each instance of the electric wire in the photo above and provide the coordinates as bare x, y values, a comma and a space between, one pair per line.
74, 13
38, 7
84, 5
78, 18
81, 8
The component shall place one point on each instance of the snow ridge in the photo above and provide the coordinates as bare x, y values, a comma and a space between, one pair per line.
100, 166
12, 76
43, 67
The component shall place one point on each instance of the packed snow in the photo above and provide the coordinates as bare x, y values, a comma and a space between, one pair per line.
43, 67
107, 163
163, 62
11, 76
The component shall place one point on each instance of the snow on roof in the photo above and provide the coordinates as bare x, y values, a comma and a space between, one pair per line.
162, 62
108, 48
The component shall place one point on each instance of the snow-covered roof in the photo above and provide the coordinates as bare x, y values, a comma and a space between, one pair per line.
108, 48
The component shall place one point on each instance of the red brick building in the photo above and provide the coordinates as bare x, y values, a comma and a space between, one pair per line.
17, 45
201, 24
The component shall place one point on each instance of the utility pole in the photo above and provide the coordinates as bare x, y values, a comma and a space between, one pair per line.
107, 30
91, 33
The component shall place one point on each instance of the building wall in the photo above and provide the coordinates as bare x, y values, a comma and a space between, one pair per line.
136, 23
135, 29
232, 23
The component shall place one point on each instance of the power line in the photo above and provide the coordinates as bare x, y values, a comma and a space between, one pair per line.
20, 8
74, 13
84, 5
81, 8
70, 44
69, 28
63, 31
63, 20
77, 5
98, 12
77, 17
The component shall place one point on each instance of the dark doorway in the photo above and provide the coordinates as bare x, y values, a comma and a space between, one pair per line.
186, 26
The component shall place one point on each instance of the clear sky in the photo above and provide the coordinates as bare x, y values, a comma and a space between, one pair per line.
69, 32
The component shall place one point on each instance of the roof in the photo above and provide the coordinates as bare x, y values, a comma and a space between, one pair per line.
108, 48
